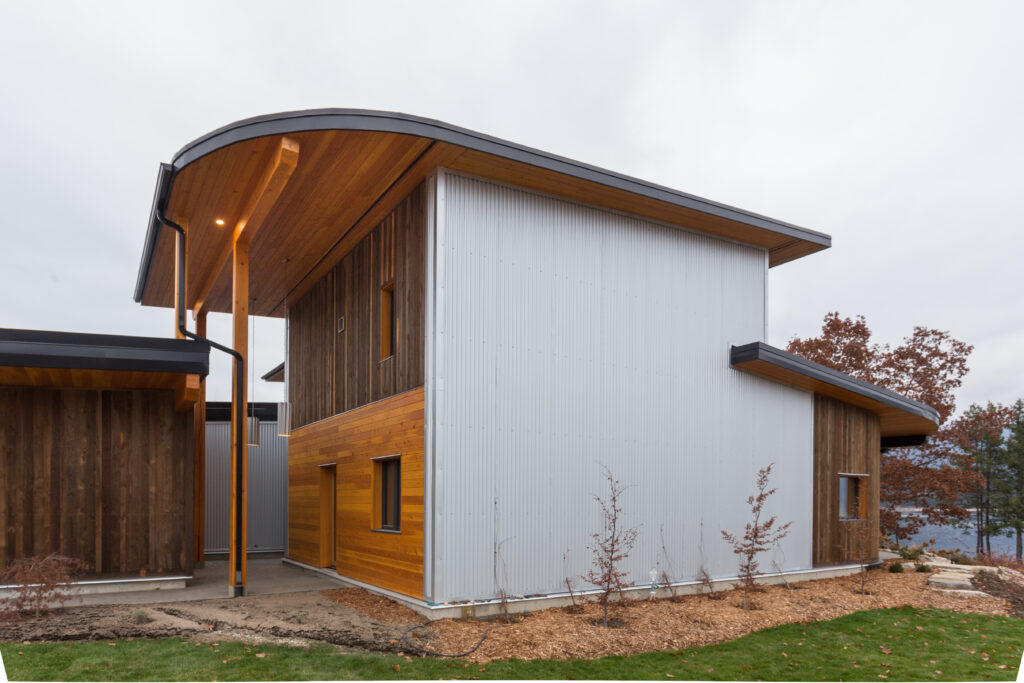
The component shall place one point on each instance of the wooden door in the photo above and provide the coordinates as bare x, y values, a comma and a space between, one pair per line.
328, 515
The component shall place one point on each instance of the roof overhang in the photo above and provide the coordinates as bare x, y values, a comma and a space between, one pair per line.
275, 374
353, 167
903, 421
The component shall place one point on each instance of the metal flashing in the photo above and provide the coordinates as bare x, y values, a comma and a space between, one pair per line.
220, 411
82, 351
271, 374
393, 122
759, 351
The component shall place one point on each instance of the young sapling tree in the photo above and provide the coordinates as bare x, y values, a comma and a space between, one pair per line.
611, 546
758, 536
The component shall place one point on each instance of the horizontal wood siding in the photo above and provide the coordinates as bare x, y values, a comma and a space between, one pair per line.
333, 372
847, 439
393, 426
104, 476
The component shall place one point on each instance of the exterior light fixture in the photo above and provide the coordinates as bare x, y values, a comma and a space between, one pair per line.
284, 427
253, 430
219, 221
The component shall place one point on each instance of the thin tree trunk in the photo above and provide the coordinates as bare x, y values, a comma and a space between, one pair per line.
978, 525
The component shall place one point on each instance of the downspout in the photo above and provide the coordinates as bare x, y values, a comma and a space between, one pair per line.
237, 589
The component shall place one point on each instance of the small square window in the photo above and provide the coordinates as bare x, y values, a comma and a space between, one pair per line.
388, 494
852, 497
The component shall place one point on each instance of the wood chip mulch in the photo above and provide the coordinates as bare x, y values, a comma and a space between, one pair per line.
374, 606
692, 620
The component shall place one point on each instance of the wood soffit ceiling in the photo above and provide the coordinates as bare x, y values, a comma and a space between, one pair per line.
353, 167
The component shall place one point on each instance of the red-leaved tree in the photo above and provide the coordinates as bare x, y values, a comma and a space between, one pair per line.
928, 367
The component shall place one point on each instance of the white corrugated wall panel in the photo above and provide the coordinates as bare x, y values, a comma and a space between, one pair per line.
564, 337
267, 488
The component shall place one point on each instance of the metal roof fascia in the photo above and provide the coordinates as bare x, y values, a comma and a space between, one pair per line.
31, 348
394, 122
778, 357
273, 371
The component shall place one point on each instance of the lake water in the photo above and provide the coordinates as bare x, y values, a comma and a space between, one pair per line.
950, 538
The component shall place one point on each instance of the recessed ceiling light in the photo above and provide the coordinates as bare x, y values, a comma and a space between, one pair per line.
219, 221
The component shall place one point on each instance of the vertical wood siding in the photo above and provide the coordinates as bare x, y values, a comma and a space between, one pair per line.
331, 372
846, 439
104, 476
392, 426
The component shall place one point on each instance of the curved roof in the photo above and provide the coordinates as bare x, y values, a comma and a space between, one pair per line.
352, 163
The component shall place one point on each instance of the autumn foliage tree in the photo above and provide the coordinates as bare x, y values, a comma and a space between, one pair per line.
758, 536
927, 367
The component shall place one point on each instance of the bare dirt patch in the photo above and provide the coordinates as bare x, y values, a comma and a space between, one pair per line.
292, 617
691, 620
376, 607
1011, 592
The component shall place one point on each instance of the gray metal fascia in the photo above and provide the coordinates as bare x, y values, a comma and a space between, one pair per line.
779, 358
393, 122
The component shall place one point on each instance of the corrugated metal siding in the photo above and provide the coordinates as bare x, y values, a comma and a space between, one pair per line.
565, 336
267, 487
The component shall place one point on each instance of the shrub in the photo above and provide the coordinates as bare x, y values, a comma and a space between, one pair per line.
999, 560
39, 583
921, 568
910, 552
895, 568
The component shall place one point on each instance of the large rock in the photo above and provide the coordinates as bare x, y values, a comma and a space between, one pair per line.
951, 581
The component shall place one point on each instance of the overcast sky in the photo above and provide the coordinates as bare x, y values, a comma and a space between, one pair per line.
895, 127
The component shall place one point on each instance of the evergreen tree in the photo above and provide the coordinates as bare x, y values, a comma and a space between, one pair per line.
1008, 479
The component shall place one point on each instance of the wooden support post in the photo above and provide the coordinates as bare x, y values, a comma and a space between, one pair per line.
240, 342
199, 461
180, 277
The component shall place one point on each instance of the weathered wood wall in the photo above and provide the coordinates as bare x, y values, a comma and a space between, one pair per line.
393, 426
332, 372
104, 476
846, 439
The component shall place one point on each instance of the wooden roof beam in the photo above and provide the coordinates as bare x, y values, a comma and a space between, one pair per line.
276, 176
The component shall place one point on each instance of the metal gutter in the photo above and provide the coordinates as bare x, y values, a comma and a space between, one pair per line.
759, 351
164, 180
79, 351
393, 122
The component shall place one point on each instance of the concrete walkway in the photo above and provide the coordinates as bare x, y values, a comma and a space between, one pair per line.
265, 576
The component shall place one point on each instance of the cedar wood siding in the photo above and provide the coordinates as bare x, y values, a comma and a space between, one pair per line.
392, 426
103, 476
846, 439
349, 405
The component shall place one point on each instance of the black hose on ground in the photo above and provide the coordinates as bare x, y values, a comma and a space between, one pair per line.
423, 650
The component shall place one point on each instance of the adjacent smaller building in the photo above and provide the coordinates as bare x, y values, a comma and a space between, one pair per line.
97, 449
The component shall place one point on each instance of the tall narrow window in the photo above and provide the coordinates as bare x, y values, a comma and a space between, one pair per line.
388, 494
852, 497
387, 321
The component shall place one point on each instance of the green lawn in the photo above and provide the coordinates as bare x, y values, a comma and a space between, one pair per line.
899, 644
